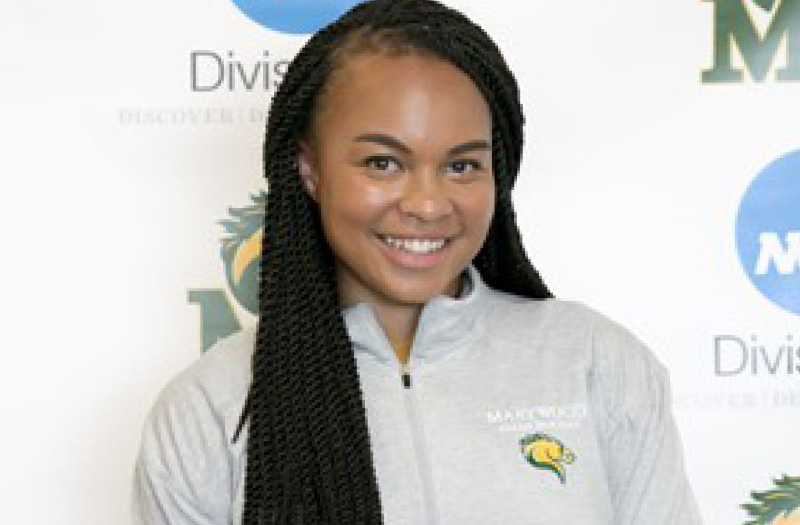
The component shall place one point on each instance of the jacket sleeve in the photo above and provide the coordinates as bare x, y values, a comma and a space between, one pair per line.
182, 474
642, 449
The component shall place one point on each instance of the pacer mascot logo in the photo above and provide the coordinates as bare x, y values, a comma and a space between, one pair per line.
547, 453
241, 251
779, 506
241, 255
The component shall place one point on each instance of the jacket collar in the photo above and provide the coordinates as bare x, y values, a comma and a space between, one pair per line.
445, 324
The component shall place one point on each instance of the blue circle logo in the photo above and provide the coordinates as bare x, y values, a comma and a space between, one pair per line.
294, 16
768, 232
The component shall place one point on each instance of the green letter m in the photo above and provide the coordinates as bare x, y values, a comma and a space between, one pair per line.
732, 22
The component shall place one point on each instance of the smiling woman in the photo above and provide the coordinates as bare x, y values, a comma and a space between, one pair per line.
409, 365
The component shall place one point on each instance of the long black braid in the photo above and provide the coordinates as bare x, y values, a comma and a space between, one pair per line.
309, 458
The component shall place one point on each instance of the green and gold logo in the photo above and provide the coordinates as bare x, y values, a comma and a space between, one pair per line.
779, 506
735, 22
547, 453
241, 255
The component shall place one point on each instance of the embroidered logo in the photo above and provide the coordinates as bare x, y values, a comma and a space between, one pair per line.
547, 453
536, 418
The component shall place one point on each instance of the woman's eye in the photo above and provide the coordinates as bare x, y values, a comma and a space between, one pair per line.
381, 163
465, 166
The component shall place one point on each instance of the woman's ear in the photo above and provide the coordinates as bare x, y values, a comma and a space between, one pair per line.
306, 163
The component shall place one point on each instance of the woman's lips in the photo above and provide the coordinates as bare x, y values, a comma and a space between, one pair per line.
415, 252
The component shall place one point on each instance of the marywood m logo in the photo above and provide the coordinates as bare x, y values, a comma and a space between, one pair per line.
733, 24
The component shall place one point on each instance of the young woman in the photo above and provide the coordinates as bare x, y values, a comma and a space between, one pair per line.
409, 365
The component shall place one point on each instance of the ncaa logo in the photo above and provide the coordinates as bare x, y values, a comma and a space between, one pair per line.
768, 232
294, 16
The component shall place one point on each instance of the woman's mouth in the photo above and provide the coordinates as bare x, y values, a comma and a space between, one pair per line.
415, 246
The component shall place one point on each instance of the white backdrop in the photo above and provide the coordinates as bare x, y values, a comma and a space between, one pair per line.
115, 175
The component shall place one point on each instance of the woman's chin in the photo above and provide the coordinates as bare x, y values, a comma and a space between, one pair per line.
418, 293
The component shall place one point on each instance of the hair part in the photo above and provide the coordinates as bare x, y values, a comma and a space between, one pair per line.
390, 42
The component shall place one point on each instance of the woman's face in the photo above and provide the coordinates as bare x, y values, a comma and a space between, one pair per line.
399, 160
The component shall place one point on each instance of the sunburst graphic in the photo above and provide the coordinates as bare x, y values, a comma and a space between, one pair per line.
779, 506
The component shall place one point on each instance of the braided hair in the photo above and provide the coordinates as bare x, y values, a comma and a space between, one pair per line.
309, 458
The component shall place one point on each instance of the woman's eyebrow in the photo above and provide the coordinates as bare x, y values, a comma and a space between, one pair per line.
391, 142
469, 146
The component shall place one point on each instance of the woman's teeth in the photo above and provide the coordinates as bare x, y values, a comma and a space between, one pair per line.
415, 245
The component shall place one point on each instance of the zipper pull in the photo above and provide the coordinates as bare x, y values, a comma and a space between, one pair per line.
405, 374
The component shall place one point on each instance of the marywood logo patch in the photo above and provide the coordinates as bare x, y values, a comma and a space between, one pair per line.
294, 16
547, 453
778, 506
735, 24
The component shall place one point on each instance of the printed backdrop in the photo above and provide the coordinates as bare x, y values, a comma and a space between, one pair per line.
660, 186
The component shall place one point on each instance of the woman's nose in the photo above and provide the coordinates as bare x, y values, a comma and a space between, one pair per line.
425, 196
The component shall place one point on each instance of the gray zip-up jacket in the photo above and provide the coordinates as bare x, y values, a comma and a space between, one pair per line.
512, 411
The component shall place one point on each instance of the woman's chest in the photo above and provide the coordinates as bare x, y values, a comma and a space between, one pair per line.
472, 442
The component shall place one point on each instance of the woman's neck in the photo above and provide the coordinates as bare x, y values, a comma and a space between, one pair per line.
400, 324
398, 320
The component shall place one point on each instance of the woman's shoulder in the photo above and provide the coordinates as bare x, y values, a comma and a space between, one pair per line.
561, 323
187, 455
224, 368
212, 388
533, 315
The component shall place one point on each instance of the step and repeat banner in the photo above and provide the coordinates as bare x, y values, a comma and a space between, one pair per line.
661, 185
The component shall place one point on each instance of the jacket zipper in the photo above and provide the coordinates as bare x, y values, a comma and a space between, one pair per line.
405, 374
423, 465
